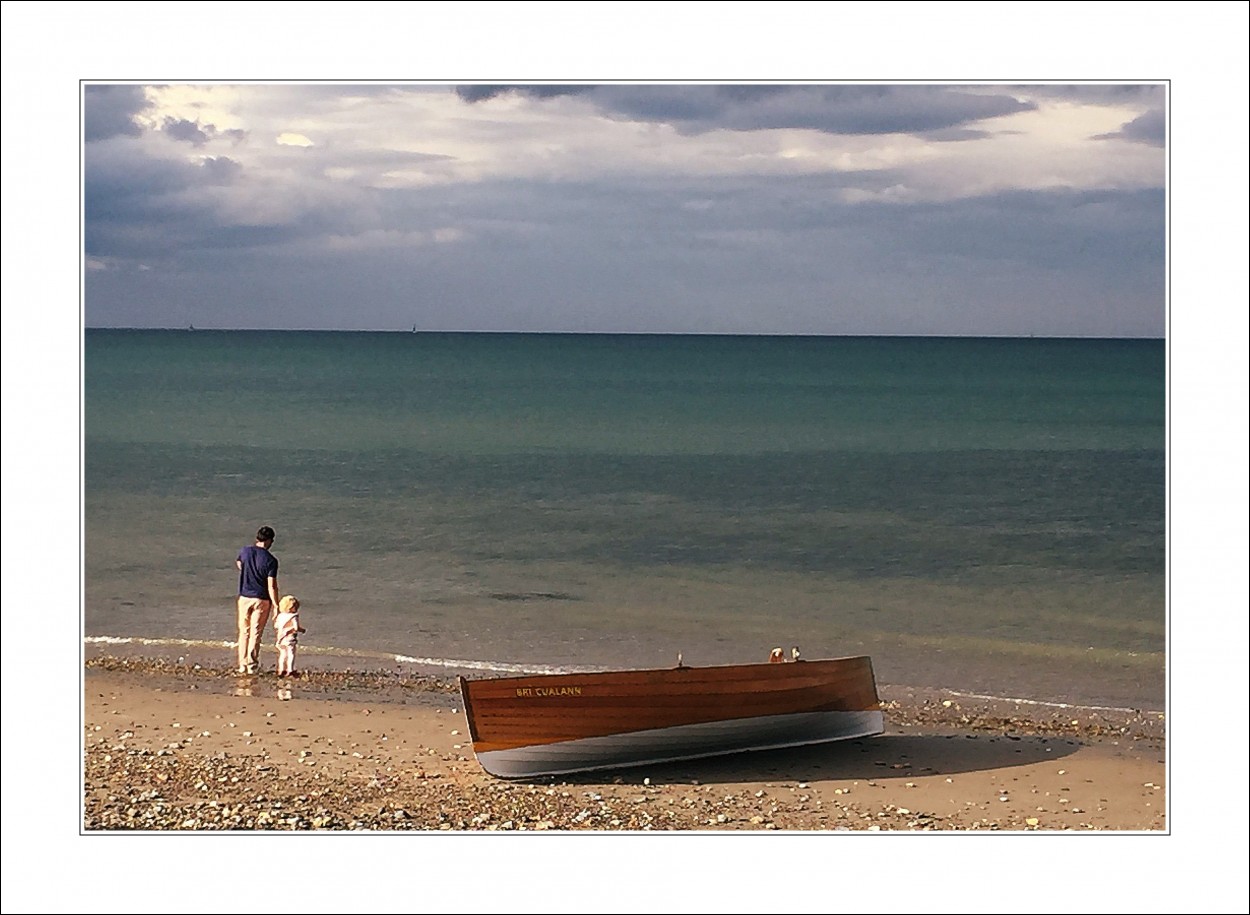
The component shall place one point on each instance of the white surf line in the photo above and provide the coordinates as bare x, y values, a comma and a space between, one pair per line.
1087, 708
501, 666
450, 663
137, 640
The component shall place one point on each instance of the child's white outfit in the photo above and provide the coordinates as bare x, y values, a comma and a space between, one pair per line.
287, 629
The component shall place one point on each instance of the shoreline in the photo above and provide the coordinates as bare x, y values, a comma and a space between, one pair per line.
209, 654
173, 747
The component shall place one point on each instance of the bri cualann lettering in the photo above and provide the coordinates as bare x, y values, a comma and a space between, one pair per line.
548, 691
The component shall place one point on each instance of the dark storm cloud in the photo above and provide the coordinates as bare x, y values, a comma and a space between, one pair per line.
146, 209
481, 93
1097, 93
843, 109
139, 207
187, 131
108, 111
1149, 129
221, 169
196, 133
142, 213
119, 182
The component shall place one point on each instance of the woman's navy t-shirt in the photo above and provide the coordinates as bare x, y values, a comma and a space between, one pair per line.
258, 566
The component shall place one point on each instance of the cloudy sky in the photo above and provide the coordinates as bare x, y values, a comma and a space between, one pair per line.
628, 206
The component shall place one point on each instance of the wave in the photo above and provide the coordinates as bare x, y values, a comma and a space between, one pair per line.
1039, 702
136, 640
330, 651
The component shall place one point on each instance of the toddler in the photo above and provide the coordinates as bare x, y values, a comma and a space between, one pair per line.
287, 629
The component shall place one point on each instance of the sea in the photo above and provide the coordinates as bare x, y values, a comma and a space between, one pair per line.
986, 516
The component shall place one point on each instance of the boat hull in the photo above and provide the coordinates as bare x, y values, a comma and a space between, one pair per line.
558, 724
692, 741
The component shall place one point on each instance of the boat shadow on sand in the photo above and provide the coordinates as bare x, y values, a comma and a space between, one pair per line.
890, 756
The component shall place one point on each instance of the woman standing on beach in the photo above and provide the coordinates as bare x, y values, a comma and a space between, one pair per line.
258, 595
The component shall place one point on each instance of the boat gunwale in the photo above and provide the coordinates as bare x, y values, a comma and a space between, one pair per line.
794, 666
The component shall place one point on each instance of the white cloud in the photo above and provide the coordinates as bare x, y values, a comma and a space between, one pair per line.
219, 105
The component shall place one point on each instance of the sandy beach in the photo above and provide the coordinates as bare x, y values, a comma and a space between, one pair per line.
171, 747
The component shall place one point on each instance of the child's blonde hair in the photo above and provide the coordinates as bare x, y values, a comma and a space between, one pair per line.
288, 604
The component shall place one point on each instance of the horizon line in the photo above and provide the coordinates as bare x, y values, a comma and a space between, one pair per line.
629, 333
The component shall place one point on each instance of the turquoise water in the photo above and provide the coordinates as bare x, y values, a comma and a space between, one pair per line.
976, 514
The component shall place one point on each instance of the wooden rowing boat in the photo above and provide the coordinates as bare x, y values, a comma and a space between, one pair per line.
551, 724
